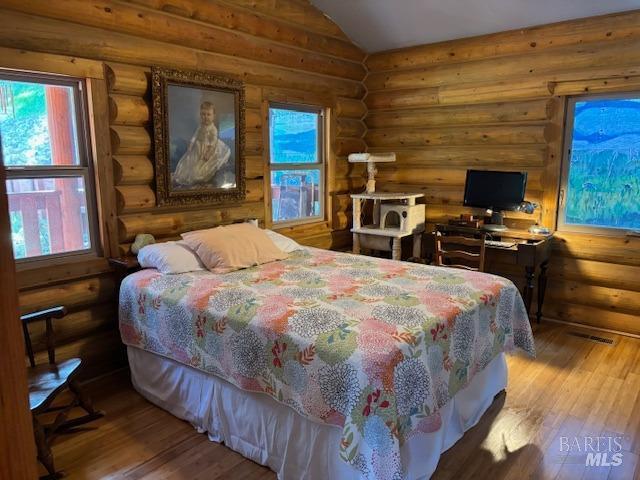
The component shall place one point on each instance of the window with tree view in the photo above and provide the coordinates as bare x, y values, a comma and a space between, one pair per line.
45, 157
296, 161
601, 178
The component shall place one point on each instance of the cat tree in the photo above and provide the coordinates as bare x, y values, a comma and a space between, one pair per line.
394, 215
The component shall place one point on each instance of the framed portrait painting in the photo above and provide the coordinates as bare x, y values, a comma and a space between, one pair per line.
198, 121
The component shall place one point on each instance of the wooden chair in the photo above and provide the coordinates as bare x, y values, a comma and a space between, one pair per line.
46, 381
448, 247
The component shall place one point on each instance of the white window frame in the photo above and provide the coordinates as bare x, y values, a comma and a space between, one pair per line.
84, 169
566, 161
320, 165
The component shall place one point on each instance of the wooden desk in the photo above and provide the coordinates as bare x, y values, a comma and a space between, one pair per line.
531, 253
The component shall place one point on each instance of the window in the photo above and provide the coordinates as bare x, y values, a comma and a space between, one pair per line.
296, 161
45, 155
601, 169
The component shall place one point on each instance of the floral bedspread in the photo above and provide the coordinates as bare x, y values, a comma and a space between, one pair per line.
373, 346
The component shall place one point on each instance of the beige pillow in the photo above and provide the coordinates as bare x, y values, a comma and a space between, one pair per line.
232, 247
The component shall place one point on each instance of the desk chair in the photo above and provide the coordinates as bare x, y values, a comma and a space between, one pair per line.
448, 248
46, 381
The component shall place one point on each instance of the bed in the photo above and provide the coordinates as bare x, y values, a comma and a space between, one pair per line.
326, 364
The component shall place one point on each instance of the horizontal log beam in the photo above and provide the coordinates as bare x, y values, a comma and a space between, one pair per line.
127, 140
349, 184
611, 299
604, 274
350, 108
442, 194
134, 197
72, 295
79, 324
477, 92
460, 94
345, 146
67, 271
441, 176
128, 110
174, 223
294, 12
253, 143
55, 36
138, 169
461, 114
443, 212
467, 135
127, 79
140, 198
553, 65
621, 250
407, 98
132, 170
254, 166
238, 19
597, 85
20, 59
592, 316
608, 28
481, 156
348, 127
101, 353
157, 25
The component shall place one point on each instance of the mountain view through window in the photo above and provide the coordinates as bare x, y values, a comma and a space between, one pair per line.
296, 164
603, 183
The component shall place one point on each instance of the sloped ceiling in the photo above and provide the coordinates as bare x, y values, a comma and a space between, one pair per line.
377, 25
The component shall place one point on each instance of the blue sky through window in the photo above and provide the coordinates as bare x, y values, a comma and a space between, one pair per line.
293, 136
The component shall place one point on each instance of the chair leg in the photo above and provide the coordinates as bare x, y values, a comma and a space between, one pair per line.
45, 456
83, 399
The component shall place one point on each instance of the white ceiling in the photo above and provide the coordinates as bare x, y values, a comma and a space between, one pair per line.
377, 25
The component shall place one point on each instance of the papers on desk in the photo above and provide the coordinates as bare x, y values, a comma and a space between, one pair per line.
495, 243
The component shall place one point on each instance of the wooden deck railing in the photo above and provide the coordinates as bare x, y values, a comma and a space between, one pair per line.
27, 204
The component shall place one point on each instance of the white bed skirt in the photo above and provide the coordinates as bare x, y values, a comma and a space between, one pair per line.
272, 434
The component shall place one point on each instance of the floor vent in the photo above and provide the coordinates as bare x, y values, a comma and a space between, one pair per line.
593, 338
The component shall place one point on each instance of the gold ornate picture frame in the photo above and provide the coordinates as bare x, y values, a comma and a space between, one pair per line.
199, 137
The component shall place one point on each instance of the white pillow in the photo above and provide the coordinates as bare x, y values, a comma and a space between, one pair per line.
285, 244
169, 257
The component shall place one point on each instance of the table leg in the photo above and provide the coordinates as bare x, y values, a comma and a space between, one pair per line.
396, 249
542, 288
356, 243
528, 288
417, 245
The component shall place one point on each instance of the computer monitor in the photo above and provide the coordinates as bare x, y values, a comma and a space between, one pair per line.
497, 191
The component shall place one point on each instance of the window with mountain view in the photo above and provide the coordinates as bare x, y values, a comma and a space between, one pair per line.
296, 161
46, 160
601, 177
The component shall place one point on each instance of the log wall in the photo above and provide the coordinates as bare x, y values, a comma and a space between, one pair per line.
495, 101
498, 102
284, 49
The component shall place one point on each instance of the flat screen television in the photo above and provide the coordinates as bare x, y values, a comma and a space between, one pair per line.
494, 190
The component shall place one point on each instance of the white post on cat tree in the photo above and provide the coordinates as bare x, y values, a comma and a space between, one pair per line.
371, 160
382, 233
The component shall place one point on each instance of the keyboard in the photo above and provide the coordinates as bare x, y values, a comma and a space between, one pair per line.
496, 243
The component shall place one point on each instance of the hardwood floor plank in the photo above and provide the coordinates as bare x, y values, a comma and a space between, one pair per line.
574, 388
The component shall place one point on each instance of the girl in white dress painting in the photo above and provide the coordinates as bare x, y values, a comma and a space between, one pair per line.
206, 153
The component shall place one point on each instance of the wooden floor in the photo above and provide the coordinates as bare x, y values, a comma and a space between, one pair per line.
576, 387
